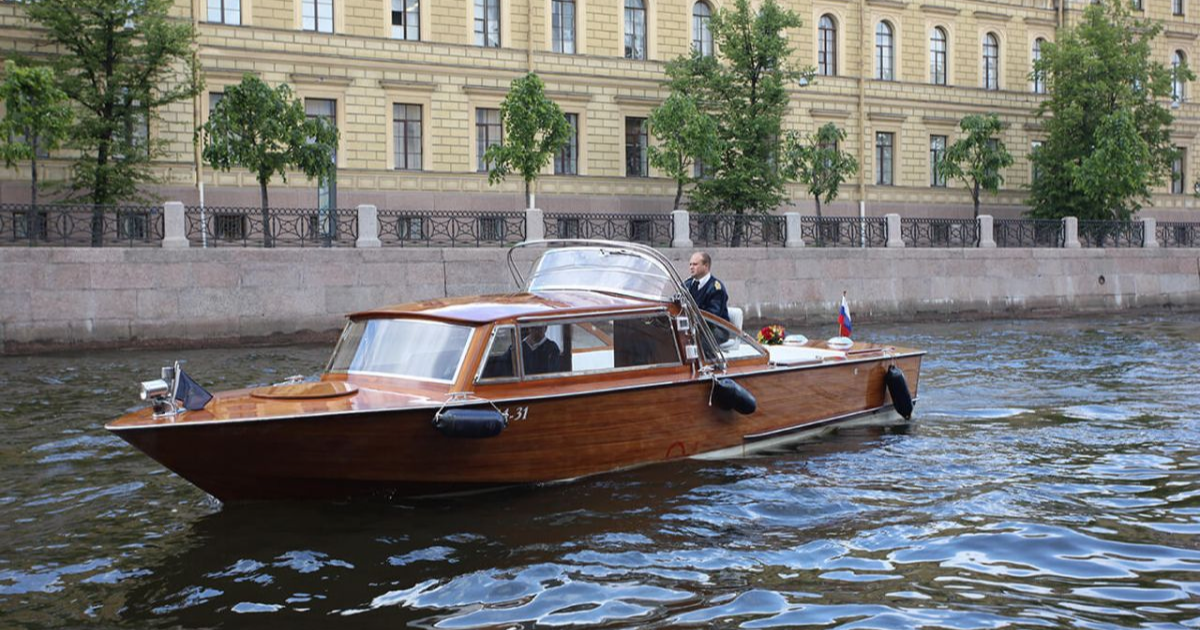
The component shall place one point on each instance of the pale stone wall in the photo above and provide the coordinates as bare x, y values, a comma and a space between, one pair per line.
51, 297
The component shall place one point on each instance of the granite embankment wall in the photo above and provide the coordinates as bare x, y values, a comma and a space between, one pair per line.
54, 298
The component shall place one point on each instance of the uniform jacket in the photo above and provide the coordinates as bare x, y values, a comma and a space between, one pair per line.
711, 297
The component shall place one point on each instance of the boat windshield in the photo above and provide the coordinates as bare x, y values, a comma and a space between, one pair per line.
606, 269
407, 348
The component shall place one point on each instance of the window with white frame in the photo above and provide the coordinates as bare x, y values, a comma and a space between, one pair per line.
1039, 77
991, 62
406, 135
635, 29
562, 26
937, 56
488, 132
487, 23
566, 162
884, 144
317, 15
637, 140
702, 37
937, 152
326, 109
406, 19
1178, 62
1035, 173
1178, 185
225, 11
1177, 7
885, 52
827, 46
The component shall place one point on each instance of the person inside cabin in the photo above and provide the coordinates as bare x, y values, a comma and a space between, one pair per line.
539, 354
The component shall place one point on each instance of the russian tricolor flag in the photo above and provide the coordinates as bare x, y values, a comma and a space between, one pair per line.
844, 326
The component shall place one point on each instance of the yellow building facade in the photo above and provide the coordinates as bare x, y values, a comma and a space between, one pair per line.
411, 85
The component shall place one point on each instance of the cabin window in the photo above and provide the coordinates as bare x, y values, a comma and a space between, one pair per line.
735, 344
407, 348
501, 363
597, 345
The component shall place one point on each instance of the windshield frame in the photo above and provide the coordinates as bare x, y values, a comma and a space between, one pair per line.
472, 331
653, 272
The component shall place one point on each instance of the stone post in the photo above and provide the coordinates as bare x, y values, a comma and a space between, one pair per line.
535, 229
1150, 233
683, 229
1071, 233
368, 226
795, 234
174, 226
894, 239
987, 232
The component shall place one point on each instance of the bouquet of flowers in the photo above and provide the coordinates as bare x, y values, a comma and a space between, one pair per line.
772, 335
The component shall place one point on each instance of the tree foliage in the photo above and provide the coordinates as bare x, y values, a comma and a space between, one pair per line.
1108, 129
685, 136
746, 91
819, 163
534, 130
265, 130
120, 61
978, 158
36, 119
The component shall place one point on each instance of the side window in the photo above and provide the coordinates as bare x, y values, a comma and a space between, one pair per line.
501, 361
735, 344
598, 345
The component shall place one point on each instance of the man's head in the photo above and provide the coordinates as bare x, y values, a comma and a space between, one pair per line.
699, 265
535, 335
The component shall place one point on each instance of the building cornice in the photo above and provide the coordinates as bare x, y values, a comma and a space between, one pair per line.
419, 86
817, 112
987, 15
888, 116
319, 79
939, 10
890, 4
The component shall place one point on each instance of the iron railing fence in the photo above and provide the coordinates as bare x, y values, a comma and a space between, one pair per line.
80, 225
1028, 233
224, 226
415, 228
844, 231
1111, 233
738, 230
1177, 234
940, 232
650, 229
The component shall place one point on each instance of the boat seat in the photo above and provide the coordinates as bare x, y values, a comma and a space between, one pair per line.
735, 317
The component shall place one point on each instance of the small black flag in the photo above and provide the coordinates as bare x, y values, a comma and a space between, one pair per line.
193, 396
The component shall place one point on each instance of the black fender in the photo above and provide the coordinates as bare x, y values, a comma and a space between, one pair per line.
897, 386
470, 423
729, 395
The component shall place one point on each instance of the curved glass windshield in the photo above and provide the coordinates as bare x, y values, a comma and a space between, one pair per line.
602, 269
406, 348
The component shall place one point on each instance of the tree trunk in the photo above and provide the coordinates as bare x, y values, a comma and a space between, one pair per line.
975, 198
735, 239
678, 194
817, 198
528, 198
266, 215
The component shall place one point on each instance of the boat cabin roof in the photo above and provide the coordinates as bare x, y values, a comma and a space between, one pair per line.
485, 309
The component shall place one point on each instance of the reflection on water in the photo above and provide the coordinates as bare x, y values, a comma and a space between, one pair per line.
1052, 480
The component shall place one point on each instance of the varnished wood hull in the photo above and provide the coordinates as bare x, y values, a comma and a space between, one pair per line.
397, 452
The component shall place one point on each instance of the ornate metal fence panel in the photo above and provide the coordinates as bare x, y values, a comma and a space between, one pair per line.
80, 225
1111, 233
1028, 233
412, 228
650, 229
844, 231
1177, 234
940, 232
218, 226
738, 230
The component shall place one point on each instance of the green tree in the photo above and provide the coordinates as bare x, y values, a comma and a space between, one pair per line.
265, 131
746, 91
1108, 129
978, 157
686, 136
534, 130
819, 163
37, 117
120, 61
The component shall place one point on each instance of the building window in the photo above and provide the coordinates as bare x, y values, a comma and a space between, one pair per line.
213, 99
317, 15
225, 11
1035, 173
1039, 79
827, 47
326, 190
487, 23
991, 62
884, 142
1178, 60
702, 37
1178, 185
567, 160
885, 53
562, 25
1177, 7
937, 56
406, 19
635, 29
937, 151
488, 132
406, 133
1137, 5
636, 141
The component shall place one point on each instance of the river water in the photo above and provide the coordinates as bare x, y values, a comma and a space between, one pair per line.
1052, 480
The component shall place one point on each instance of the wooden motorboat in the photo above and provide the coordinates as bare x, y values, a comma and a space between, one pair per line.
604, 362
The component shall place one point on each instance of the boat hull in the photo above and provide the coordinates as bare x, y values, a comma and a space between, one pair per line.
393, 453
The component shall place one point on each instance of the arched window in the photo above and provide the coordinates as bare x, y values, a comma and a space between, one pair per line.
827, 46
702, 39
1039, 78
635, 29
885, 53
991, 62
1178, 61
937, 56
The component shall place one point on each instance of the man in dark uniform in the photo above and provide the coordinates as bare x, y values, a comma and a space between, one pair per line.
539, 355
708, 292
